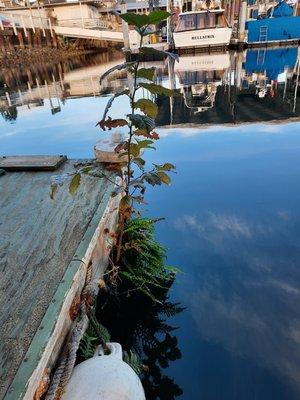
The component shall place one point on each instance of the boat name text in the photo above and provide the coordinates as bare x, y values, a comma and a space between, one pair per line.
203, 37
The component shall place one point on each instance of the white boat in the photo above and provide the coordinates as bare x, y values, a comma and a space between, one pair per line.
204, 28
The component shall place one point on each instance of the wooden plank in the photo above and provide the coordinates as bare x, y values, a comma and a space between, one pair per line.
40, 240
56, 324
31, 163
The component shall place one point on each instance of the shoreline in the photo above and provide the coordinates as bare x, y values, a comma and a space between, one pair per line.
19, 58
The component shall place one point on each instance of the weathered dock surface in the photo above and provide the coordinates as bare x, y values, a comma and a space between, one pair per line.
45, 246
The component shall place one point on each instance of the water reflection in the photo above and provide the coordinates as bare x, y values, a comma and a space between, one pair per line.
233, 225
28, 88
257, 85
143, 326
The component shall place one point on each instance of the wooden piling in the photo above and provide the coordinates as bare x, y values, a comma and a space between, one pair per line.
20, 39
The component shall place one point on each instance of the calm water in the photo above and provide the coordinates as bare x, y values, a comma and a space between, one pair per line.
233, 214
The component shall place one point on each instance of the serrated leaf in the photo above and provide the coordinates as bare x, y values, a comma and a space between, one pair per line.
150, 135
74, 184
111, 123
138, 199
157, 89
143, 144
157, 16
165, 167
147, 107
152, 178
139, 162
146, 73
118, 67
159, 53
138, 20
164, 177
142, 122
134, 150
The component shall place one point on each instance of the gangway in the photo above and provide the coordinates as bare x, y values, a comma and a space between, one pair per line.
93, 34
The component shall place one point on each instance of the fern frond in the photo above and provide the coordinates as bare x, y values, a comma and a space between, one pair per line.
132, 359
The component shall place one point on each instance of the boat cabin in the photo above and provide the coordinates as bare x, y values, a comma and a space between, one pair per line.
195, 20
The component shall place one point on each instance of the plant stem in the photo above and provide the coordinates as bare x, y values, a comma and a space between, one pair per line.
127, 188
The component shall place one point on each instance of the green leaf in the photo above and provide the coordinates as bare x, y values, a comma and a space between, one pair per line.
139, 162
157, 89
138, 20
74, 184
134, 150
118, 67
145, 144
147, 107
164, 177
165, 167
152, 178
142, 122
159, 53
133, 360
157, 16
146, 73
111, 100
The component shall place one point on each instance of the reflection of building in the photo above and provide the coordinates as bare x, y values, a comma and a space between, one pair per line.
260, 85
256, 87
29, 89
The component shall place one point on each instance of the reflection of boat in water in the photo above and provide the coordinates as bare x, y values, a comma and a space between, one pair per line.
204, 28
199, 77
200, 97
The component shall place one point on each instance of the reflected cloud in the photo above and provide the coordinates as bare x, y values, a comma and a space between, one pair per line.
237, 298
226, 224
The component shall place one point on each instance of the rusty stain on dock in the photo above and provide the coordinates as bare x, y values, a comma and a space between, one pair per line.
39, 238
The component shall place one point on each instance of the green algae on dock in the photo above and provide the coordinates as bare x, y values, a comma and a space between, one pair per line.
45, 247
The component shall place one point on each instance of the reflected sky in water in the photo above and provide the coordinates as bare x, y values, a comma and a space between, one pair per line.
232, 226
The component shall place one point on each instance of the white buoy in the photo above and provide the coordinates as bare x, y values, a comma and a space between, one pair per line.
104, 377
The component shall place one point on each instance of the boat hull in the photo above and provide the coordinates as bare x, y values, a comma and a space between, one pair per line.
202, 38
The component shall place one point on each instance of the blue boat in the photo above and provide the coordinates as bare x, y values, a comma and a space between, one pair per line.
278, 25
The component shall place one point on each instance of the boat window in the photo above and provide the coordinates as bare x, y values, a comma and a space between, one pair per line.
210, 21
200, 21
187, 22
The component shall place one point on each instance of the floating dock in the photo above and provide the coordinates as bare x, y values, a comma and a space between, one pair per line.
46, 245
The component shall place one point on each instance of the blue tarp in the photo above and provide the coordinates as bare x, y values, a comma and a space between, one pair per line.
272, 61
281, 10
283, 28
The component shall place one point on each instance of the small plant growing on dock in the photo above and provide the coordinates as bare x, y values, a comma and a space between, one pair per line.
136, 256
140, 123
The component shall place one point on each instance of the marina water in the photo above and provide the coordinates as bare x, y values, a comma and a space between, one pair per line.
232, 212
